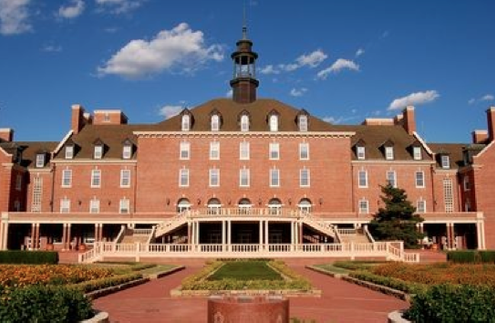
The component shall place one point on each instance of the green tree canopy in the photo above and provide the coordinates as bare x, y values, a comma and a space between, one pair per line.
397, 220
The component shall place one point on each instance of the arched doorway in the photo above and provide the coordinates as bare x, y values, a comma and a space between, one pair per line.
305, 205
214, 206
183, 205
275, 206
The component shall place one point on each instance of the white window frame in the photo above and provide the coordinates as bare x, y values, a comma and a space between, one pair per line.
421, 206
274, 177
448, 195
215, 150
274, 151
94, 205
186, 122
362, 178
361, 152
214, 177
391, 177
419, 181
303, 123
363, 206
98, 152
215, 122
67, 178
304, 151
304, 177
244, 153
125, 178
244, 177
244, 123
389, 153
65, 205
96, 178
127, 152
445, 159
184, 150
417, 153
40, 160
184, 175
18, 182
124, 206
273, 122
69, 152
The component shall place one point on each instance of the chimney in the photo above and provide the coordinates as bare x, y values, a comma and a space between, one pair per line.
78, 118
490, 115
6, 134
408, 120
479, 136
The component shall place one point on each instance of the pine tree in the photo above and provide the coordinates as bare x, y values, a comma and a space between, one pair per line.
397, 221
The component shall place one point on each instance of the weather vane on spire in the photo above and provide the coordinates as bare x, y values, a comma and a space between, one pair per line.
244, 24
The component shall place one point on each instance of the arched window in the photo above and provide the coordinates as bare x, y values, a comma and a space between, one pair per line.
183, 205
215, 122
275, 206
244, 205
305, 205
244, 122
186, 122
273, 122
214, 206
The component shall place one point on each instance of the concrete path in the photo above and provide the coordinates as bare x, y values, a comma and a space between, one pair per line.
340, 302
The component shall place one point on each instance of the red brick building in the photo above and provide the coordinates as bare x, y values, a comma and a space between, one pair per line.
244, 170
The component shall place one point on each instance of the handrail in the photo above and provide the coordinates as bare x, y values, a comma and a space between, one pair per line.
368, 234
121, 234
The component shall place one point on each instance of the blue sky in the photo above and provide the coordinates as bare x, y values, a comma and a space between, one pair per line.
340, 60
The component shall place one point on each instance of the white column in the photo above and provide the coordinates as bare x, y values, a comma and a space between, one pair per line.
266, 233
261, 232
229, 234
4, 234
224, 235
480, 234
197, 232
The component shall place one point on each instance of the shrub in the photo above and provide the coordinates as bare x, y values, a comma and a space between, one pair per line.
450, 303
398, 284
487, 256
357, 264
28, 257
44, 304
92, 285
463, 256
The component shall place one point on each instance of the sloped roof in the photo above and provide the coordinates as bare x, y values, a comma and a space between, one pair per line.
454, 150
32, 148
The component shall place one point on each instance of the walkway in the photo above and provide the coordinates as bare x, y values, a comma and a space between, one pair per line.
341, 302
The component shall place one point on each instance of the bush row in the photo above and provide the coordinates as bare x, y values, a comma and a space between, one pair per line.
356, 264
44, 304
472, 256
399, 284
453, 303
92, 285
28, 257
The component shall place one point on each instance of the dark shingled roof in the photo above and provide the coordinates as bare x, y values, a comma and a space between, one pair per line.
455, 151
32, 148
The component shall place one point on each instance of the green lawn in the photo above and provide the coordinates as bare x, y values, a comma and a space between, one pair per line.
246, 270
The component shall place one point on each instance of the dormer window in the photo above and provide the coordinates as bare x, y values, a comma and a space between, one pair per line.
361, 152
215, 122
98, 152
417, 154
303, 122
69, 152
127, 147
389, 153
445, 161
273, 122
186, 122
40, 160
244, 122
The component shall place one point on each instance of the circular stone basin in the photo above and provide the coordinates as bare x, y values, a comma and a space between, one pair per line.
248, 309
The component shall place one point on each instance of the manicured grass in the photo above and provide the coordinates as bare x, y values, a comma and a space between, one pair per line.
333, 269
246, 270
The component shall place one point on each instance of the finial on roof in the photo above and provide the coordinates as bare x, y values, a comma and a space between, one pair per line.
244, 24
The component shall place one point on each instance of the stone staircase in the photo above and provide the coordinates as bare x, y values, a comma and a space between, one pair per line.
352, 235
170, 224
136, 235
320, 226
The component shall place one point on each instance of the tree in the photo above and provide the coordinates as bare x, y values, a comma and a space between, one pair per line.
397, 221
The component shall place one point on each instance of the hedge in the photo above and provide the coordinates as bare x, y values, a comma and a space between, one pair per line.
471, 256
28, 257
453, 303
45, 304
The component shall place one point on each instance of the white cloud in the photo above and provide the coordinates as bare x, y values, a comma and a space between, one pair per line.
269, 69
179, 47
414, 99
488, 97
74, 9
229, 93
52, 48
298, 92
14, 16
472, 101
333, 120
337, 66
359, 52
119, 6
168, 111
311, 60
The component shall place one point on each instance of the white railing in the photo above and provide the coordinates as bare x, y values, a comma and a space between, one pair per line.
368, 234
142, 232
321, 225
389, 250
258, 212
347, 232
121, 234
171, 223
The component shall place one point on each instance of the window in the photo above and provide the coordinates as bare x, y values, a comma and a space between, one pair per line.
244, 150
125, 178
18, 182
304, 205
124, 205
95, 178
106, 117
37, 194
67, 178
274, 122
185, 122
94, 206
304, 177
184, 150
274, 177
421, 206
389, 153
214, 150
304, 151
214, 177
361, 152
127, 152
244, 177
17, 206
467, 184
69, 152
64, 205
364, 207
392, 178
417, 153
363, 178
215, 122
244, 123
40, 160
303, 123
184, 177
183, 205
420, 179
445, 161
448, 195
274, 151
98, 153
